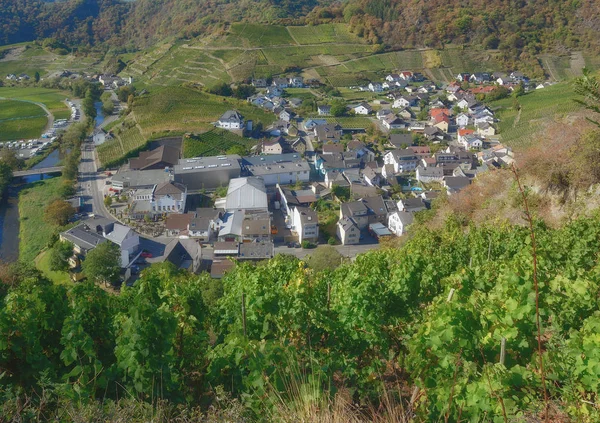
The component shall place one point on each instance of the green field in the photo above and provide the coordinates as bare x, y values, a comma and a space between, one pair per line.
537, 108
52, 99
213, 143
255, 35
34, 232
42, 262
26, 128
326, 33
179, 110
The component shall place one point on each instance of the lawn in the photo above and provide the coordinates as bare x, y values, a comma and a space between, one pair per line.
537, 108
52, 99
35, 234
12, 109
42, 262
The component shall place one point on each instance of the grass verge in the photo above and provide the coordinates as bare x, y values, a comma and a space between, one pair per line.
42, 262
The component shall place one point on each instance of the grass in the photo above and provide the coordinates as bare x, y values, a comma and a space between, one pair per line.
179, 109
25, 128
12, 109
537, 108
42, 262
35, 233
52, 99
213, 143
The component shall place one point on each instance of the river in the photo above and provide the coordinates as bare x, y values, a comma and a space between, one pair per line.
9, 211
99, 114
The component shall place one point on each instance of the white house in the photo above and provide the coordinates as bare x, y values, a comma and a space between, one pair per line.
393, 77
486, 130
296, 82
462, 120
430, 174
398, 222
472, 142
127, 240
393, 122
376, 87
305, 223
362, 109
169, 197
402, 160
231, 119
347, 231
324, 110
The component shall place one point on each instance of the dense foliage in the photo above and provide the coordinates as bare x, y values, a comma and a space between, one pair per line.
431, 314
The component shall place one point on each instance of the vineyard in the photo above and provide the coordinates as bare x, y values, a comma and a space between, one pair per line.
179, 109
537, 108
326, 33
110, 151
214, 143
255, 35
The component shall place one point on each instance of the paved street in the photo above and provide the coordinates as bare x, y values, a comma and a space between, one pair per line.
90, 182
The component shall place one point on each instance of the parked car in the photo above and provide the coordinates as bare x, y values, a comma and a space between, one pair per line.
146, 254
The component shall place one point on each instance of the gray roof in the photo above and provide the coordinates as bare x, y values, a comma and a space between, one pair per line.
431, 172
207, 164
232, 116
410, 203
137, 178
399, 140
118, 234
405, 217
270, 159
456, 182
246, 193
308, 215
285, 167
345, 223
82, 237
256, 250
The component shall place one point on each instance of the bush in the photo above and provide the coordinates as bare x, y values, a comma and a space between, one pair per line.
331, 241
307, 245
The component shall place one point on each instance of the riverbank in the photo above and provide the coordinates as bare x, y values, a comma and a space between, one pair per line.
35, 233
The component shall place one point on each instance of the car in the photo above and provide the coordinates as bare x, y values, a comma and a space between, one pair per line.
146, 254
290, 245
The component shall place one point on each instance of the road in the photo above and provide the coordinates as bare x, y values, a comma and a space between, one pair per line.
90, 182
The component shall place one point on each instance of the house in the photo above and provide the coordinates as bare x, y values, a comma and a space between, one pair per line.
169, 197
127, 240
405, 101
421, 150
336, 177
246, 194
177, 224
454, 184
463, 77
379, 230
462, 120
279, 128
159, 158
393, 77
480, 77
399, 221
231, 119
274, 146
328, 132
333, 149
383, 113
411, 205
405, 114
295, 102
259, 83
290, 198
305, 222
298, 145
401, 140
324, 110
519, 77
393, 122
296, 82
403, 160
406, 75
256, 226
472, 142
365, 211
347, 232
280, 83
204, 223
371, 177
207, 172
260, 250
387, 171
375, 87
486, 130
286, 115
362, 108
433, 133
462, 133
430, 174
185, 254
310, 124
83, 237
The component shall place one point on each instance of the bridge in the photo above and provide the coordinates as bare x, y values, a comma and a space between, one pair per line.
40, 171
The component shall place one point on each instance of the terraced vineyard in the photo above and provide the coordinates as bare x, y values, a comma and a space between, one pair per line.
327, 33
213, 143
132, 139
255, 35
110, 152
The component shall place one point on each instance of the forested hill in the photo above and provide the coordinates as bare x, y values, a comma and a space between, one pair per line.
520, 28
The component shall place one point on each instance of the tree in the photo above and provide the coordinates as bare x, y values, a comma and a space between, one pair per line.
36, 76
108, 201
325, 257
338, 108
58, 212
59, 255
9, 157
103, 263
222, 89
589, 87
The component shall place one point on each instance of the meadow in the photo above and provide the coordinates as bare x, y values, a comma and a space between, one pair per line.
24, 128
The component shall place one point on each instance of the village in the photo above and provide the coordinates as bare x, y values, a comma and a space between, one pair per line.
308, 181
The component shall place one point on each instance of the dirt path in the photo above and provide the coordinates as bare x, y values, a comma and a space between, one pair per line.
577, 63
292, 35
548, 67
518, 118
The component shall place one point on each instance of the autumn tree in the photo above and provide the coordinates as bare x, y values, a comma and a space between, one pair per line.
58, 212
